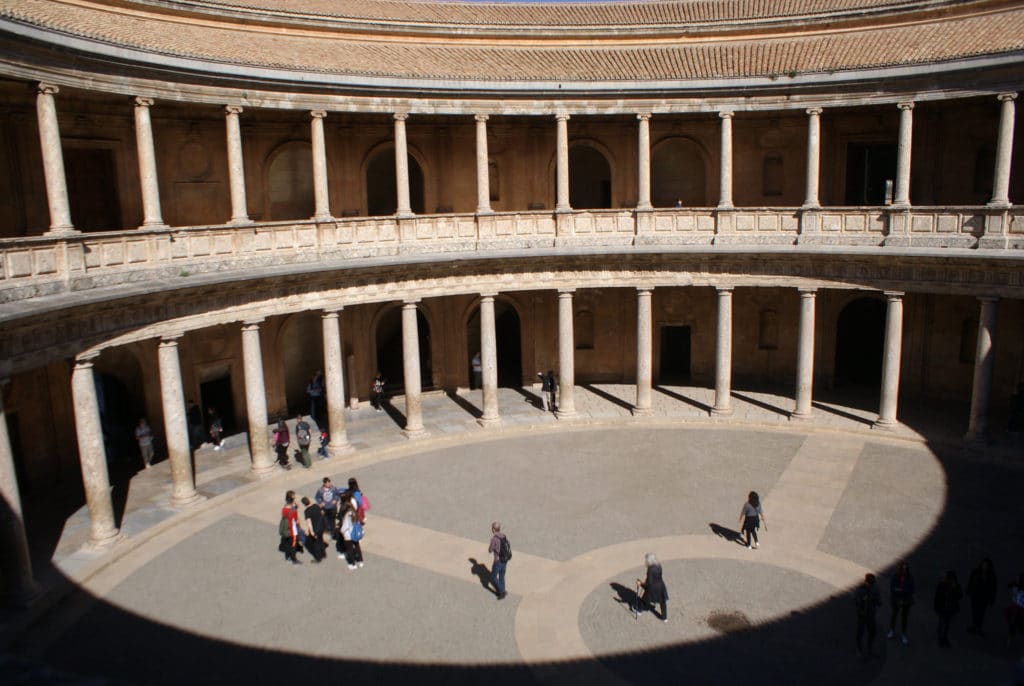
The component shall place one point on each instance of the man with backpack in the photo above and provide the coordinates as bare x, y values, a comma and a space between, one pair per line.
303, 436
502, 550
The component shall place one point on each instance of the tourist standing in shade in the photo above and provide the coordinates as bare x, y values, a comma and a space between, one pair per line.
653, 586
377, 392
194, 417
981, 589
144, 436
946, 605
303, 436
751, 516
867, 600
315, 391
901, 597
216, 427
478, 371
282, 439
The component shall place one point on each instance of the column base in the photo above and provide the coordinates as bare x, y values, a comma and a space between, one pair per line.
187, 501
264, 471
154, 225
62, 230
642, 411
489, 422
343, 447
721, 411
796, 416
105, 541
415, 434
565, 414
240, 221
322, 218
885, 425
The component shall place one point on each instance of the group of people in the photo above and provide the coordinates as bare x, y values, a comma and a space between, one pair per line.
303, 438
982, 592
332, 515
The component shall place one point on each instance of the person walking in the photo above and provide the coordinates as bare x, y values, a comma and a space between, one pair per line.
867, 600
548, 386
377, 392
502, 550
981, 590
315, 391
289, 528
282, 438
215, 427
303, 436
315, 527
144, 437
901, 597
751, 516
946, 605
654, 587
478, 371
351, 535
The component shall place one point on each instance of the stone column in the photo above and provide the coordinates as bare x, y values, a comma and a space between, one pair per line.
256, 400
402, 167
179, 452
644, 351
411, 371
321, 194
236, 166
91, 454
489, 360
891, 360
723, 354
902, 191
483, 176
644, 162
53, 161
562, 163
805, 356
15, 561
334, 380
151, 216
1004, 152
566, 356
725, 170
813, 157
984, 360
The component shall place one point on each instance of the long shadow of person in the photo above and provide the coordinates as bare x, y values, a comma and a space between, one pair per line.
481, 572
726, 533
626, 597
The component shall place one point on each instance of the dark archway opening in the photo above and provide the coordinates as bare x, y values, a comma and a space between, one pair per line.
869, 170
216, 394
381, 188
677, 174
860, 338
290, 182
389, 350
91, 175
590, 179
508, 336
675, 354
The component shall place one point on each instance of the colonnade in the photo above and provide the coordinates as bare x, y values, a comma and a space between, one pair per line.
60, 214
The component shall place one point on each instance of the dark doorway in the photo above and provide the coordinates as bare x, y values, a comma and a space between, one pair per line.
860, 338
92, 189
509, 343
389, 350
868, 167
381, 188
216, 393
119, 415
14, 436
590, 179
675, 354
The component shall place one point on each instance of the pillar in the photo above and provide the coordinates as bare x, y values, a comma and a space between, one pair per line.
891, 359
984, 359
172, 395
256, 400
805, 356
15, 561
483, 176
725, 169
53, 160
1004, 151
813, 157
402, 168
723, 354
562, 163
566, 359
411, 371
320, 193
334, 381
91, 455
236, 167
902, 191
644, 162
151, 216
644, 351
489, 360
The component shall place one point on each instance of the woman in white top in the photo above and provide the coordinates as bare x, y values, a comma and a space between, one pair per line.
353, 552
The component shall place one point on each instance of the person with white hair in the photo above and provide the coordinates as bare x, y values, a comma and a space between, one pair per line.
654, 587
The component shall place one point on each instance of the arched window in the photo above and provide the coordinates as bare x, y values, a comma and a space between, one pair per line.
677, 174
290, 182
590, 179
583, 330
768, 330
381, 188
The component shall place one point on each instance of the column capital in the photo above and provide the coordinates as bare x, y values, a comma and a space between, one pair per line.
252, 324
1003, 97
724, 289
233, 109
332, 313
401, 116
140, 101
726, 114
85, 360
48, 89
566, 292
643, 116
988, 298
562, 116
170, 339
814, 111
807, 292
410, 303
644, 290
488, 295
318, 114
481, 117
893, 295
905, 105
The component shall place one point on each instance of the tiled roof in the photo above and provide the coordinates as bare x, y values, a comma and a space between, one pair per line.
618, 57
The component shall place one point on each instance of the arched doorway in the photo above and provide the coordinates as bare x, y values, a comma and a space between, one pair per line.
508, 335
389, 350
381, 188
590, 179
301, 345
290, 182
678, 174
860, 339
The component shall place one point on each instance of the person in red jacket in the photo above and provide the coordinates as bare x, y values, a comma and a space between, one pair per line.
290, 528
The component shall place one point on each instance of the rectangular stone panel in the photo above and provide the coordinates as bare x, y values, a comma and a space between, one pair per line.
921, 223
19, 263
113, 254
199, 245
466, 227
745, 222
790, 223
948, 223
137, 251
832, 222
855, 223
768, 222
223, 243
706, 223
46, 261
284, 238
305, 236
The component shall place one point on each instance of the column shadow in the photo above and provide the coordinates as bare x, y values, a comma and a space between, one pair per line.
607, 396
397, 416
760, 403
682, 398
530, 397
474, 411
841, 413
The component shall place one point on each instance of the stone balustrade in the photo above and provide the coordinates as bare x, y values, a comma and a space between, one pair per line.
45, 265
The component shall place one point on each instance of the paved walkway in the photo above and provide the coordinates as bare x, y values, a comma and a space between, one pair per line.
583, 501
